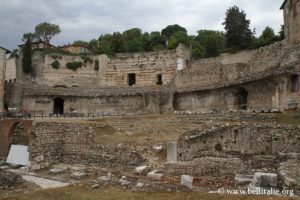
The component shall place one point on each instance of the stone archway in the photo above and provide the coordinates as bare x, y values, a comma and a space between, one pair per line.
13, 131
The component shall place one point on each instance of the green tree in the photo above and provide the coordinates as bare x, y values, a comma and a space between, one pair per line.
267, 37
46, 31
198, 51
29, 36
156, 41
213, 42
133, 40
238, 34
171, 30
177, 38
26, 59
117, 43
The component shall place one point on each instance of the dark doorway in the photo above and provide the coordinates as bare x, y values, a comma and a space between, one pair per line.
242, 100
131, 79
294, 83
58, 107
159, 79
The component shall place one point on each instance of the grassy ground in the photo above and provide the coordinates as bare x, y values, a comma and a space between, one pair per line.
292, 118
110, 193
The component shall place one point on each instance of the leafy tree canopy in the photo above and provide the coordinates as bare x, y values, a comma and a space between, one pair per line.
46, 31
238, 33
172, 29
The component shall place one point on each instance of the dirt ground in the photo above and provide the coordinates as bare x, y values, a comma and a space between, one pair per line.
117, 193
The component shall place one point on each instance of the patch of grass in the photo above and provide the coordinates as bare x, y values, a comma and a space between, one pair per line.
292, 118
86, 59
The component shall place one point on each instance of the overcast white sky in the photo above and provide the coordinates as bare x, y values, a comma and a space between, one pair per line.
87, 19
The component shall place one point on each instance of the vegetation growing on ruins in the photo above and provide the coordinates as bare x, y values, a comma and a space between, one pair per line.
26, 59
55, 64
86, 59
74, 65
96, 67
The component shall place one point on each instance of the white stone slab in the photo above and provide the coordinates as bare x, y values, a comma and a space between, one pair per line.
18, 155
187, 181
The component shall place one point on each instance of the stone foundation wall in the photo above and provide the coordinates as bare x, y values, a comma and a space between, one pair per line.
207, 166
257, 145
2, 76
74, 143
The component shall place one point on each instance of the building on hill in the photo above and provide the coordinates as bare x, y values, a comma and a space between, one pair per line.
38, 45
291, 13
76, 49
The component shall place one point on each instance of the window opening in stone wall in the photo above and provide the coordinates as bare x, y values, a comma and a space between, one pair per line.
159, 79
294, 83
58, 107
131, 79
242, 99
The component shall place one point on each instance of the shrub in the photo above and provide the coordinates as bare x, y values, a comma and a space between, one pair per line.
96, 67
55, 64
74, 65
87, 59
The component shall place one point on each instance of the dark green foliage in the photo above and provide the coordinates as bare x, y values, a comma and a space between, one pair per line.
238, 34
29, 36
55, 64
26, 60
74, 65
267, 37
177, 38
214, 42
172, 29
96, 67
46, 31
86, 59
198, 51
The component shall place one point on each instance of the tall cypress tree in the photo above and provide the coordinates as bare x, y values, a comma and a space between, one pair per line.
26, 60
238, 33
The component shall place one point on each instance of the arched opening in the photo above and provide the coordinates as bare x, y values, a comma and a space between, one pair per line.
58, 106
18, 135
242, 99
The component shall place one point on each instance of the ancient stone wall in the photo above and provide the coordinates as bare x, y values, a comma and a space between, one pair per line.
291, 13
221, 71
11, 70
74, 143
112, 71
258, 146
2, 76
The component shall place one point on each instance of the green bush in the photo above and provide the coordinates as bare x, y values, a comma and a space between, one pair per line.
55, 64
74, 65
96, 67
86, 59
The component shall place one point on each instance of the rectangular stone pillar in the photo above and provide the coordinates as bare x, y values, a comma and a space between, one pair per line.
2, 72
172, 152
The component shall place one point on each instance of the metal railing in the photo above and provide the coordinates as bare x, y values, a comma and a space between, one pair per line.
40, 115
